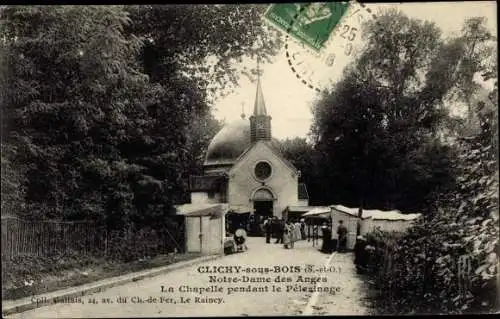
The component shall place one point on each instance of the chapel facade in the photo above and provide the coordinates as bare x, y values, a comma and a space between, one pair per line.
244, 168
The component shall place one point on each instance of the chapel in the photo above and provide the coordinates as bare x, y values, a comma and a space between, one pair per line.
245, 168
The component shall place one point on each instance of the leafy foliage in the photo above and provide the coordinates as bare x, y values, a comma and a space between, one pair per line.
107, 108
202, 42
377, 129
385, 139
449, 263
67, 96
303, 156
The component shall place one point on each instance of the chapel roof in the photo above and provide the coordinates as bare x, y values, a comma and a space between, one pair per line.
229, 143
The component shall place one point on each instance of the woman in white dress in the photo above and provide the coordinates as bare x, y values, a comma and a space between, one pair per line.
296, 228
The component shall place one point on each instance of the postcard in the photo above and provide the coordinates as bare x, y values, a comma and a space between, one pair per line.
271, 159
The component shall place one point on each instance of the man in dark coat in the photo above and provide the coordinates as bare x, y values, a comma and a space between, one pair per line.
342, 233
327, 238
273, 227
280, 230
267, 229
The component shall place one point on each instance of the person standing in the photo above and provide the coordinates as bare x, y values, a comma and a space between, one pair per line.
288, 235
274, 228
249, 223
342, 235
293, 233
327, 238
291, 230
267, 229
280, 231
296, 228
302, 229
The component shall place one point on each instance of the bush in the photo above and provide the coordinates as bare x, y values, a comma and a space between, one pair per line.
447, 263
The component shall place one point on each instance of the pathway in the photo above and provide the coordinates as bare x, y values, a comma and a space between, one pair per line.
195, 292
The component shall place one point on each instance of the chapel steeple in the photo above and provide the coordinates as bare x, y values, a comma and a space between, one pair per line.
259, 107
260, 122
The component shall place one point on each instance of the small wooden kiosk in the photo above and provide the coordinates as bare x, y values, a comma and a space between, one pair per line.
205, 227
350, 219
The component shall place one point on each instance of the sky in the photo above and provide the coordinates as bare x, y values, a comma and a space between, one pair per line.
289, 101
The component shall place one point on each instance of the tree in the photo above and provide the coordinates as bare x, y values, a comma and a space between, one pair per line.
377, 128
453, 251
71, 79
193, 49
100, 103
478, 47
202, 42
303, 156
200, 133
12, 174
475, 64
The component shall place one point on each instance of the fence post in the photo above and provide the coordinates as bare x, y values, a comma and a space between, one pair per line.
18, 238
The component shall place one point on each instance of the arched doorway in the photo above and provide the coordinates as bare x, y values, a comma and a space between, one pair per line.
263, 202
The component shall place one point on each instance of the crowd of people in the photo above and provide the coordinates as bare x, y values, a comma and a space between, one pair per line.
292, 230
285, 232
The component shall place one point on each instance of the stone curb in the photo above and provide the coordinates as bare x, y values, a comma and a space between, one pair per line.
25, 304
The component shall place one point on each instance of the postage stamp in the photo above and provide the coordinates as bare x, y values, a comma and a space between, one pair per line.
310, 23
321, 38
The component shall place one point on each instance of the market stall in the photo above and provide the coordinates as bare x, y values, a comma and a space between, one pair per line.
365, 221
386, 221
237, 217
314, 218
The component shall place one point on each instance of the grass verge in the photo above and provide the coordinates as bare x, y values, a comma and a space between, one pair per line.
27, 276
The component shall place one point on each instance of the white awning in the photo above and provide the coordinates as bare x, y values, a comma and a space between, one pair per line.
347, 210
375, 213
318, 211
193, 210
299, 209
388, 215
